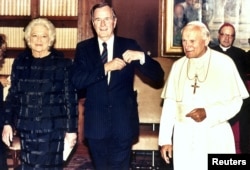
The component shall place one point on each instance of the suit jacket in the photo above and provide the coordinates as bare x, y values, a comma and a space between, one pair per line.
110, 109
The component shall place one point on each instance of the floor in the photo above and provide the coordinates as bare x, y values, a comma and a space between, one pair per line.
80, 150
80, 160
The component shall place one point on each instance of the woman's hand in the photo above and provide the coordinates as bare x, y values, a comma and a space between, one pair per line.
7, 134
71, 138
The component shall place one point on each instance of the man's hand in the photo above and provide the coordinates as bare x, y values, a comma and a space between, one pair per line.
130, 55
197, 115
115, 64
7, 134
166, 153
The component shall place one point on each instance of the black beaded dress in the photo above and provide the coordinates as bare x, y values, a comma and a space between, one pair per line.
41, 104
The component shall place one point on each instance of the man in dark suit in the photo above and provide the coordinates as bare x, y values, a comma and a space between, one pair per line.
111, 116
239, 123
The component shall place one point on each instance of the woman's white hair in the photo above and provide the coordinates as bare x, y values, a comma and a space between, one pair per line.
44, 22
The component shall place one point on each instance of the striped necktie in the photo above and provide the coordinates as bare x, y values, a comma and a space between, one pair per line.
104, 55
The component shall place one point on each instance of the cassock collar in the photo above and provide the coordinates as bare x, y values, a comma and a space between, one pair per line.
224, 48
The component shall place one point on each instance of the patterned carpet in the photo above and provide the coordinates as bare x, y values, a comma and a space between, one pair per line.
140, 160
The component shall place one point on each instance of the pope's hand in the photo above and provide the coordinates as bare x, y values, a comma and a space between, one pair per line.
197, 115
166, 153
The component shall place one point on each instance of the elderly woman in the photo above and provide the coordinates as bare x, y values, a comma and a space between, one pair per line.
41, 103
3, 83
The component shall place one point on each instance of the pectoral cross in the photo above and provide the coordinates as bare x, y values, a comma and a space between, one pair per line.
195, 84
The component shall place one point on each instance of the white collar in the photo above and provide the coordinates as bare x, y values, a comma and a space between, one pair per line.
224, 48
109, 41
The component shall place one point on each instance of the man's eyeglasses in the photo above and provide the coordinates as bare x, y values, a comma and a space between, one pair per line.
227, 35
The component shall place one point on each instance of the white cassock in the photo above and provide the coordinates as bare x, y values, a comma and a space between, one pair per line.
220, 91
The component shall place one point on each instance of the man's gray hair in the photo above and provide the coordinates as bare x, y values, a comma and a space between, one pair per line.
201, 25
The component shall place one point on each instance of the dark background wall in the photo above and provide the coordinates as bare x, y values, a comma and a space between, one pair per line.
138, 19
